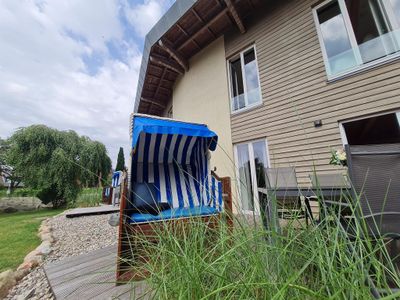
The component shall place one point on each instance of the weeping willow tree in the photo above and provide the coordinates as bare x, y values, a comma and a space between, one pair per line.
96, 162
58, 163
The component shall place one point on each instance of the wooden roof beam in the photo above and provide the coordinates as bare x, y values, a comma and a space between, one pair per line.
159, 79
188, 36
152, 102
251, 4
202, 22
176, 55
159, 84
164, 62
214, 19
235, 15
218, 3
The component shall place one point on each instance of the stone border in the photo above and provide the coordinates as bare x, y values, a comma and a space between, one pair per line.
9, 278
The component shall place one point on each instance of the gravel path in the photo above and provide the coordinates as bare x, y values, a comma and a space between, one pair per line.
72, 237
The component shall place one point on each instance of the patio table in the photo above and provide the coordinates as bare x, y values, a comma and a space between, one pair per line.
325, 196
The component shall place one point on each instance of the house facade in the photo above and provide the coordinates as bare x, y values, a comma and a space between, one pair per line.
281, 82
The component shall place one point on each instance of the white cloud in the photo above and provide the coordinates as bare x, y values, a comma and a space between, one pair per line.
44, 79
145, 15
95, 20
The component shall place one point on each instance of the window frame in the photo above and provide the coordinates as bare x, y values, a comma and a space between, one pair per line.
353, 42
390, 15
253, 174
240, 55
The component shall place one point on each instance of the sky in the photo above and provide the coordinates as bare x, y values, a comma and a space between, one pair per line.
73, 65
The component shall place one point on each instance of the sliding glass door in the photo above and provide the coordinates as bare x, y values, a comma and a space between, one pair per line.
251, 163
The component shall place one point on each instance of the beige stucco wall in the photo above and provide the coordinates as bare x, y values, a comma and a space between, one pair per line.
201, 95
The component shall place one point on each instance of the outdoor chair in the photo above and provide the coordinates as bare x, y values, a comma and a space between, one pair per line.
107, 195
170, 185
331, 192
116, 181
283, 188
375, 176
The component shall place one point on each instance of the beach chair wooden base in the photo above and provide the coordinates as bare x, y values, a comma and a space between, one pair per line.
139, 240
135, 238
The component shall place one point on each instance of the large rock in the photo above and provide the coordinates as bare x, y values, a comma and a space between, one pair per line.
44, 248
7, 281
19, 274
21, 203
33, 259
47, 237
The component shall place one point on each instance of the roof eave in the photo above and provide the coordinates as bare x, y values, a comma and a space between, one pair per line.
176, 11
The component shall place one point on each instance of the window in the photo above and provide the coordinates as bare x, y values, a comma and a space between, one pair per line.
355, 34
244, 80
251, 163
381, 129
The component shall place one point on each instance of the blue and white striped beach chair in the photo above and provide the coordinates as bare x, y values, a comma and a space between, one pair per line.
172, 158
116, 185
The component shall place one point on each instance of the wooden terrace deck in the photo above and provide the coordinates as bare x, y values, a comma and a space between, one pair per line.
91, 276
97, 210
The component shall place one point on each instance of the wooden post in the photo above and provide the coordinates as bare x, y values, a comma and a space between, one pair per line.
227, 196
121, 229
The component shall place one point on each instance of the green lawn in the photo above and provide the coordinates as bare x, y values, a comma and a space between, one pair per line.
18, 235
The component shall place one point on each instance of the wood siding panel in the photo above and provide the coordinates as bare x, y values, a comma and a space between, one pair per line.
296, 92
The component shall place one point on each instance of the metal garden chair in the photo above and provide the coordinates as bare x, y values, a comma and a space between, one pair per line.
375, 175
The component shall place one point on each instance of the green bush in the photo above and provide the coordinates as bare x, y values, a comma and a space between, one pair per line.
19, 192
89, 197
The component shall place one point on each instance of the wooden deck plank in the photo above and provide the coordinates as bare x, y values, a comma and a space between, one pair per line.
96, 210
136, 290
91, 276
81, 259
78, 272
86, 287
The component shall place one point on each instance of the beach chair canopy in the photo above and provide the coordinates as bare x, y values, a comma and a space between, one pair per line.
172, 157
116, 179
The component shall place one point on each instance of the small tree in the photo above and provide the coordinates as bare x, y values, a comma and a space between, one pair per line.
121, 160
